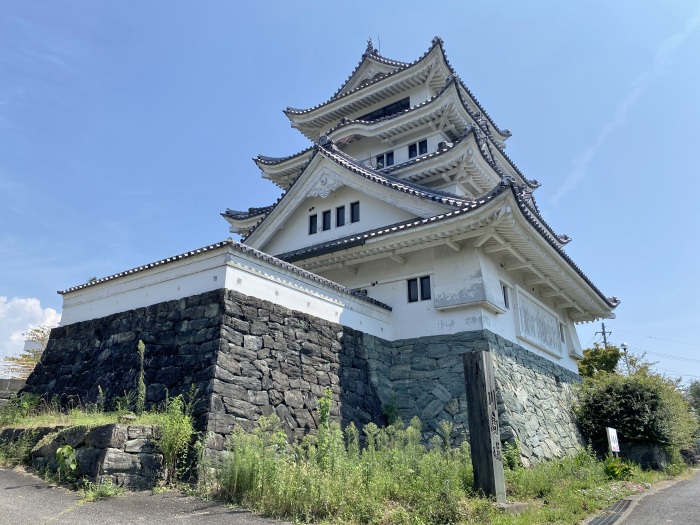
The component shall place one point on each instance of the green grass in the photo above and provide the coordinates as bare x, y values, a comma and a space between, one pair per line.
28, 411
395, 479
95, 491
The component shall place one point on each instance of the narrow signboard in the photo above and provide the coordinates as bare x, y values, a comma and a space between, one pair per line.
484, 432
613, 443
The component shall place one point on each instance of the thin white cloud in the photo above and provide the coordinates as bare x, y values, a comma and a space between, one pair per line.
17, 315
662, 57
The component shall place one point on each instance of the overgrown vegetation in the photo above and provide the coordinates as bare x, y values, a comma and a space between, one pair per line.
394, 478
176, 434
644, 408
599, 359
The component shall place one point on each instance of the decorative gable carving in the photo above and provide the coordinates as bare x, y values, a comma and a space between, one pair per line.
325, 186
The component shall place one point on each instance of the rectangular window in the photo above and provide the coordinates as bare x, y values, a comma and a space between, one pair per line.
384, 160
424, 288
354, 212
506, 298
419, 289
417, 148
313, 224
412, 290
561, 332
326, 220
340, 216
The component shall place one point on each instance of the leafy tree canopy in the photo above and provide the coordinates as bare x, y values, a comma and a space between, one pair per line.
644, 408
599, 359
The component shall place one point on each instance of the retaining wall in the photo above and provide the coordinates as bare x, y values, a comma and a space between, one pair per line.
248, 357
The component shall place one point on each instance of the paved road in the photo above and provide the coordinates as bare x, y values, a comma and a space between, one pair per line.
27, 500
678, 503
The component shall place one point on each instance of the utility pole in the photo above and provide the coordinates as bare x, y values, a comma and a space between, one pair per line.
605, 334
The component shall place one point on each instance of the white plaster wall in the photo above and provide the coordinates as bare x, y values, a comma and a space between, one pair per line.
368, 148
224, 268
373, 214
451, 272
190, 276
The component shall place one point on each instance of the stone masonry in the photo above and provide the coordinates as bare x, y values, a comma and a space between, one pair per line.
247, 358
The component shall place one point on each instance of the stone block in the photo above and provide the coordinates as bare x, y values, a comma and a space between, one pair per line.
139, 445
400, 372
441, 393
432, 409
293, 399
240, 408
114, 460
140, 432
87, 461
108, 436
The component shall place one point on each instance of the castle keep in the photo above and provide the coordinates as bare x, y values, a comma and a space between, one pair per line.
404, 237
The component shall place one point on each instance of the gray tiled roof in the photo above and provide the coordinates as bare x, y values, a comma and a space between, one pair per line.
518, 191
437, 42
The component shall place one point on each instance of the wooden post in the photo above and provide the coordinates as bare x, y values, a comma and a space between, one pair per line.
484, 432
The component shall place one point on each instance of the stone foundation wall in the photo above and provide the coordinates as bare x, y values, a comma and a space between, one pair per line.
425, 377
275, 360
181, 338
248, 358
125, 455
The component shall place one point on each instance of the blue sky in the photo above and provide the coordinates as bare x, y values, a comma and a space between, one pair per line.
127, 127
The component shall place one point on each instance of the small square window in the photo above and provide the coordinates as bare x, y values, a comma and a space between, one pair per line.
419, 289
384, 160
313, 224
326, 220
340, 216
417, 148
354, 212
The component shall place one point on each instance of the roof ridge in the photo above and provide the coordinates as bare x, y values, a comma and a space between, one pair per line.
337, 96
276, 160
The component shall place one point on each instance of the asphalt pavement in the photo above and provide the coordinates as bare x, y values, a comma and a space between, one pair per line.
27, 500
673, 502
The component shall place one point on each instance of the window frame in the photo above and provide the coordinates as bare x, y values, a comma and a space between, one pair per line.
418, 148
419, 289
355, 212
340, 216
313, 224
326, 220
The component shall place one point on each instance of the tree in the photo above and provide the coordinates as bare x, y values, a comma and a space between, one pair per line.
599, 359
693, 396
644, 407
22, 365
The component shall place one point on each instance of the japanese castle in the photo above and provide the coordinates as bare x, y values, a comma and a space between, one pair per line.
404, 239
407, 196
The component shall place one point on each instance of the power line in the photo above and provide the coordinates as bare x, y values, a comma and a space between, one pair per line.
676, 373
666, 356
659, 338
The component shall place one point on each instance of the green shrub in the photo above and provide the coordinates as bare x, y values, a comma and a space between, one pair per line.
616, 468
644, 408
176, 432
67, 462
19, 408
